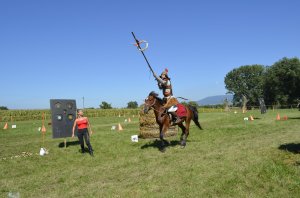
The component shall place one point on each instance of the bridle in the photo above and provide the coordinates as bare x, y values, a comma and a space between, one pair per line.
151, 106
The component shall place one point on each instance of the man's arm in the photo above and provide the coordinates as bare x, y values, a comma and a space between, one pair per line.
73, 130
90, 127
159, 80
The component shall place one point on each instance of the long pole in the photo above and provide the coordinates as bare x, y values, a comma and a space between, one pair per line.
43, 127
138, 45
83, 102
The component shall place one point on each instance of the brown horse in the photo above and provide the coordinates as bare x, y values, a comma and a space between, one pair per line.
164, 121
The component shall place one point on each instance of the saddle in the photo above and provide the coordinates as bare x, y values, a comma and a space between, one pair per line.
181, 111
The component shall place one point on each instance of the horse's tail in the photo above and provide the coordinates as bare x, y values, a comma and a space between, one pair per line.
195, 116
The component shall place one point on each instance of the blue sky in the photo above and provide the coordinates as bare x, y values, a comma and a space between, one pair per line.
71, 49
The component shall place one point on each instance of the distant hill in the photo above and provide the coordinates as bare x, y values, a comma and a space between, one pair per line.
215, 100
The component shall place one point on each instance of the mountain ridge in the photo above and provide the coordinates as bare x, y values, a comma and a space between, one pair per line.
215, 100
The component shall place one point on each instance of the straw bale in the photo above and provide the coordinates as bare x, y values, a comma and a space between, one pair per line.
149, 128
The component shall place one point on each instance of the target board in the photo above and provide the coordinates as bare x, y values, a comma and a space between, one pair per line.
63, 113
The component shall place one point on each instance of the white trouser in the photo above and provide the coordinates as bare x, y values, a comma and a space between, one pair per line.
173, 108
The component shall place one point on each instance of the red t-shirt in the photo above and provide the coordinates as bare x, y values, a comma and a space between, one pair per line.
82, 123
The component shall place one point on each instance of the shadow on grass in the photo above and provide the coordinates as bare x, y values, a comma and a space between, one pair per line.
291, 147
296, 118
62, 144
157, 144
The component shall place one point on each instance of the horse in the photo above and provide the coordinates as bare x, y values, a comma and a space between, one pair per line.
164, 121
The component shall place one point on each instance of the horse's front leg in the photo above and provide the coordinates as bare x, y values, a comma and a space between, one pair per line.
162, 132
162, 141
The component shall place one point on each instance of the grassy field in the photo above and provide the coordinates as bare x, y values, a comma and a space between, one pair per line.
229, 158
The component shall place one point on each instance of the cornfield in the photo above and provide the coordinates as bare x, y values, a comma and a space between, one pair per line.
25, 115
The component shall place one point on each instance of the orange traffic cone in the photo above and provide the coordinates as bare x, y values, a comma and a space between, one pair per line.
251, 118
129, 120
43, 129
120, 128
278, 116
5, 126
285, 117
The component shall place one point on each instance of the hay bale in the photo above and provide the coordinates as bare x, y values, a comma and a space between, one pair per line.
149, 128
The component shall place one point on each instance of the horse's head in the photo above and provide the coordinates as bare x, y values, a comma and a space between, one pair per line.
150, 101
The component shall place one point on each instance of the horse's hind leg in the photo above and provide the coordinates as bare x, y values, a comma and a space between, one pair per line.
187, 128
183, 135
186, 131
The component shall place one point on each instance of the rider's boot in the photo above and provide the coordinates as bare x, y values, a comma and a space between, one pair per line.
175, 118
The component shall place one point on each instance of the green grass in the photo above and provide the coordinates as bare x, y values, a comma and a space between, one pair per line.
229, 158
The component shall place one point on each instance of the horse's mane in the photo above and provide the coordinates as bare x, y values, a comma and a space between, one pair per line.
155, 95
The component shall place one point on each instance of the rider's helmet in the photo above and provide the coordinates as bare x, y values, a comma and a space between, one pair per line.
164, 74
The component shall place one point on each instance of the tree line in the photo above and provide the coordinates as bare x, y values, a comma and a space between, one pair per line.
130, 105
103, 105
278, 84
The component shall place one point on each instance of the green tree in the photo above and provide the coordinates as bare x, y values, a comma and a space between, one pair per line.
184, 103
132, 105
105, 105
282, 82
3, 108
193, 103
246, 81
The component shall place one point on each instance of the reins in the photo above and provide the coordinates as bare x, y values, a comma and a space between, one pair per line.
151, 106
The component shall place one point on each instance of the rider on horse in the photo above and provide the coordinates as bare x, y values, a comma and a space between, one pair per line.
164, 83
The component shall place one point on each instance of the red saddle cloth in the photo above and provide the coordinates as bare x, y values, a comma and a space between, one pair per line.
181, 111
